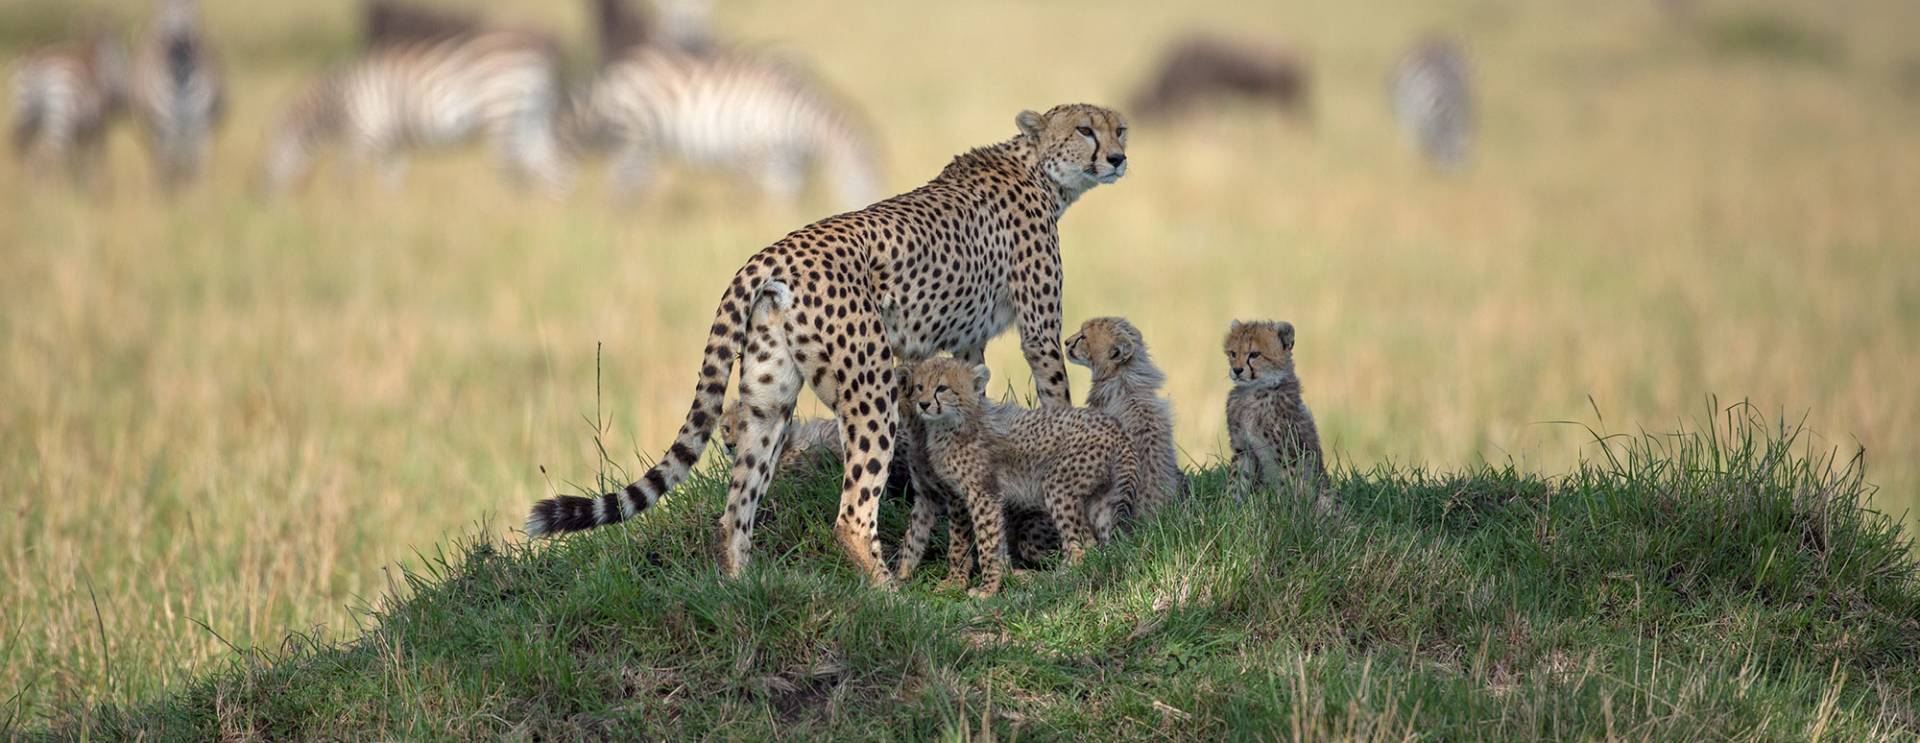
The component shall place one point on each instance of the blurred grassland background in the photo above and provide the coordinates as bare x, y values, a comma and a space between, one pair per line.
234, 412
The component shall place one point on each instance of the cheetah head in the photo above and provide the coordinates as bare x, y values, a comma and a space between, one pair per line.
1080, 145
946, 390
1104, 344
1260, 352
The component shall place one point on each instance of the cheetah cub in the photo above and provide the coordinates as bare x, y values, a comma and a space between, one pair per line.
1275, 443
1126, 385
1071, 453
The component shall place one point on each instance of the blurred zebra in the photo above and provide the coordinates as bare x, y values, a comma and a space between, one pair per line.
65, 96
400, 97
1433, 100
725, 110
177, 93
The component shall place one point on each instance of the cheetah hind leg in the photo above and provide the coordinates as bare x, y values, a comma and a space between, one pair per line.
867, 416
1067, 495
769, 387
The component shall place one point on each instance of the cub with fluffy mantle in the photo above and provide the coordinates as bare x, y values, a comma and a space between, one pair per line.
1275, 443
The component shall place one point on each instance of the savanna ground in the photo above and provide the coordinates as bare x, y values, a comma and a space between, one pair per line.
222, 419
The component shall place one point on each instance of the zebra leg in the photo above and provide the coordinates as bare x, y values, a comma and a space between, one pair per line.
529, 151
782, 178
769, 387
633, 171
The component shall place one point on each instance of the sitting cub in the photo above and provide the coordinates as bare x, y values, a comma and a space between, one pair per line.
1126, 385
1069, 453
1275, 443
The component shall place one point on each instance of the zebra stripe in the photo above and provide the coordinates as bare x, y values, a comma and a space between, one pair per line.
65, 97
725, 110
177, 93
1433, 100
431, 94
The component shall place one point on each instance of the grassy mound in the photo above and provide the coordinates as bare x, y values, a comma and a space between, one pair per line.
1710, 584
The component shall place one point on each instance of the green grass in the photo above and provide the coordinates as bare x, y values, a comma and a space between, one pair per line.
1723, 582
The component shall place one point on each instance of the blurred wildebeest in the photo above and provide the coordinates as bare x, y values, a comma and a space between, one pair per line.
1432, 95
387, 22
178, 92
65, 96
1205, 67
679, 24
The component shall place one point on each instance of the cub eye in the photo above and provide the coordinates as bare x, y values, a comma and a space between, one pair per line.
1084, 131
940, 389
1121, 132
1251, 355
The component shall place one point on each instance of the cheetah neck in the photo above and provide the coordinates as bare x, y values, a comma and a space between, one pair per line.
1020, 158
1284, 382
1139, 377
949, 435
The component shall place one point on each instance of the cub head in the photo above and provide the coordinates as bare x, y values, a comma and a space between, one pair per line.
1260, 351
1080, 145
732, 425
947, 390
1104, 344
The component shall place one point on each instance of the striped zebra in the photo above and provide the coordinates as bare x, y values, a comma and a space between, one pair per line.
729, 111
1433, 100
399, 97
177, 93
65, 96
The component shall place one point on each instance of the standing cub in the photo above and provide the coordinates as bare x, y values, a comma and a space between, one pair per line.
1275, 443
1070, 453
1126, 385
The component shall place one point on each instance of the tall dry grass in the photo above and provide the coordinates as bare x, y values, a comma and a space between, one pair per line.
221, 418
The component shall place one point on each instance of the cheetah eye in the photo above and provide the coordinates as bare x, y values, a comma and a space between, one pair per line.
1084, 131
1251, 355
940, 389
1121, 132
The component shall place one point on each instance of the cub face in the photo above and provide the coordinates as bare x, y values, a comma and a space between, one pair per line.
733, 425
946, 390
1103, 344
1259, 351
1080, 145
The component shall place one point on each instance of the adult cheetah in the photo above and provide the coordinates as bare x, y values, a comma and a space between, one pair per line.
944, 267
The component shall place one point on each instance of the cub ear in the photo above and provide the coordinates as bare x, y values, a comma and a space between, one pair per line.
1031, 124
1122, 349
980, 376
1286, 334
1232, 326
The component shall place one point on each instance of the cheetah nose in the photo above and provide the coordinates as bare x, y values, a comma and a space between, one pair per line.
1116, 158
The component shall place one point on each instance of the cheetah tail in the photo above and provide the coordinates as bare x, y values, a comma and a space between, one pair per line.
567, 513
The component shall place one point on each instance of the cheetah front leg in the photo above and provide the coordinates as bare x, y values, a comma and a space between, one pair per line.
931, 497
987, 515
1036, 292
769, 388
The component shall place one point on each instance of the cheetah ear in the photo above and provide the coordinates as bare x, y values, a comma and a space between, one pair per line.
980, 376
1286, 334
1122, 350
1235, 325
1031, 124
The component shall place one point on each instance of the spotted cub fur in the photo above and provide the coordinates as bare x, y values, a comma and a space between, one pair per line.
1275, 443
1071, 453
1126, 385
